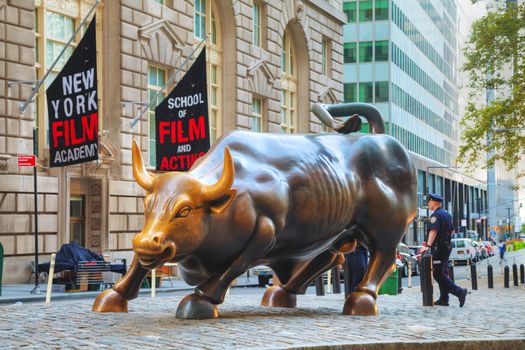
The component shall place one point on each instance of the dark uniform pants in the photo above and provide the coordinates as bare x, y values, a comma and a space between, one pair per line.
358, 261
440, 261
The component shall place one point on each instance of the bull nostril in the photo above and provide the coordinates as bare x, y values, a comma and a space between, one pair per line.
156, 240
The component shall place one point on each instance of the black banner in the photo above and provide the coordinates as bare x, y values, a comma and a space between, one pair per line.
72, 106
181, 121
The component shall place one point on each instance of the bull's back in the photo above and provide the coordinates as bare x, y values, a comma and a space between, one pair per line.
308, 184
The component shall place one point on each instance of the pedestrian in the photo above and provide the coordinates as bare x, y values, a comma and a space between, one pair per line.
358, 263
440, 229
502, 249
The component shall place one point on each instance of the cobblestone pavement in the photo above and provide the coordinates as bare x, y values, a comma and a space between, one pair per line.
243, 324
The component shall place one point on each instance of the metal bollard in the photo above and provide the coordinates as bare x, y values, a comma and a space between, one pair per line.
426, 277
506, 277
409, 277
522, 274
490, 276
336, 280
474, 276
451, 271
399, 281
319, 285
515, 274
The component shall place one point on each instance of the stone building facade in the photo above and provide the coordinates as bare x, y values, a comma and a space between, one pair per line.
268, 61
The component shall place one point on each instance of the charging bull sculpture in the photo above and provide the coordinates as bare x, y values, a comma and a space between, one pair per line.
293, 202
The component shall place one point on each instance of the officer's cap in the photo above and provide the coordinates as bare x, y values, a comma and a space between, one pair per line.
435, 197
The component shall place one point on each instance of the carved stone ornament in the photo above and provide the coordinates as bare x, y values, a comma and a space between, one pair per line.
299, 10
261, 78
296, 203
160, 42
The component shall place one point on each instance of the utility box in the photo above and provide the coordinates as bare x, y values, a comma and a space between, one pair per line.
390, 284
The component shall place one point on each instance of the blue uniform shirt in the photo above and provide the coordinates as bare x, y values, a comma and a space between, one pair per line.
441, 221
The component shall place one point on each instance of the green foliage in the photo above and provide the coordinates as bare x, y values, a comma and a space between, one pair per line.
496, 49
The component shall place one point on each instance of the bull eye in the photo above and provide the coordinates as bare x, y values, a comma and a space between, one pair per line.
183, 212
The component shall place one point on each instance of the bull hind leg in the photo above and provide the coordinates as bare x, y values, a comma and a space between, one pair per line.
284, 296
127, 288
362, 302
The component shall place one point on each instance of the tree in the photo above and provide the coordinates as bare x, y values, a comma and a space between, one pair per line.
495, 59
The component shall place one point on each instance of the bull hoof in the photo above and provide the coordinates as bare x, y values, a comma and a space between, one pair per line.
360, 304
277, 296
110, 301
196, 307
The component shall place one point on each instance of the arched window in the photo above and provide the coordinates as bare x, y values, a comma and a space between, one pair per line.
207, 22
289, 86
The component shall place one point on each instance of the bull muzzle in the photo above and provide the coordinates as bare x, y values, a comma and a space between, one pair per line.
153, 250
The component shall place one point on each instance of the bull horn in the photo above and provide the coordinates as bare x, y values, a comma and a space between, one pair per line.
224, 184
141, 175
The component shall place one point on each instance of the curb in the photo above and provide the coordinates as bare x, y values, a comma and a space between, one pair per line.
464, 344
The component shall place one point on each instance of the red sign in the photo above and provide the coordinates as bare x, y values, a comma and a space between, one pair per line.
26, 160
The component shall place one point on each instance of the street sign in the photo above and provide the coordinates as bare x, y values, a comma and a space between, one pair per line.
26, 160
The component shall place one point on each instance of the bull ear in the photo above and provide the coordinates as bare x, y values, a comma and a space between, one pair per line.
142, 176
223, 203
222, 187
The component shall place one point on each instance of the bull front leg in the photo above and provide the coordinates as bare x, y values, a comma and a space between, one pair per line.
362, 302
127, 288
203, 303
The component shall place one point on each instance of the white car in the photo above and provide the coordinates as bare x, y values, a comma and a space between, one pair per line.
463, 250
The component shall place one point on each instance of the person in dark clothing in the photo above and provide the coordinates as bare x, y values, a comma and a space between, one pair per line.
440, 229
357, 262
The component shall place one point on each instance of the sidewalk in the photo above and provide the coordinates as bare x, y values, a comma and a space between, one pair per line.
22, 292
491, 319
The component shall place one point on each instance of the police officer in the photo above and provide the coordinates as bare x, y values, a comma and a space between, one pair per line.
440, 230
357, 261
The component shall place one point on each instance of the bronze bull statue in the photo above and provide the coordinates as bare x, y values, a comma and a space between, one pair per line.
293, 202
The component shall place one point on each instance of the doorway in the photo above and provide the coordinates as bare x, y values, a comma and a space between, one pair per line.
77, 220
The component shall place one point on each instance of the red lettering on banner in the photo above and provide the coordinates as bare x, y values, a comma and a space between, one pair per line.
65, 130
175, 132
183, 161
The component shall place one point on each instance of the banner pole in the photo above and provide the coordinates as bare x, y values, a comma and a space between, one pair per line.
154, 100
24, 105
35, 290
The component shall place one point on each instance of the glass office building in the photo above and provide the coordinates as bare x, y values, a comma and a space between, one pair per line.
401, 55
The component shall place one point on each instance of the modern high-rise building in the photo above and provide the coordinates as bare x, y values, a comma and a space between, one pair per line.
402, 56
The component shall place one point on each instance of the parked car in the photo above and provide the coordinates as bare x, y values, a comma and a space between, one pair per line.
462, 250
481, 251
489, 247
405, 254
264, 274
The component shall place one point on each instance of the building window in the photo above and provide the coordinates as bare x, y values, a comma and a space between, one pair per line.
366, 51
381, 51
366, 12
214, 103
350, 52
159, 1
366, 92
200, 19
350, 9
381, 91
156, 81
77, 220
326, 58
350, 92
288, 85
206, 22
257, 113
257, 30
381, 10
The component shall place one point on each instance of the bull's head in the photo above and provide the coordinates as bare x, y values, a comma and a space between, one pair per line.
177, 208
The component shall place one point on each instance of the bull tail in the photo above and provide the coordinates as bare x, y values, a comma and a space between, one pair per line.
327, 113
